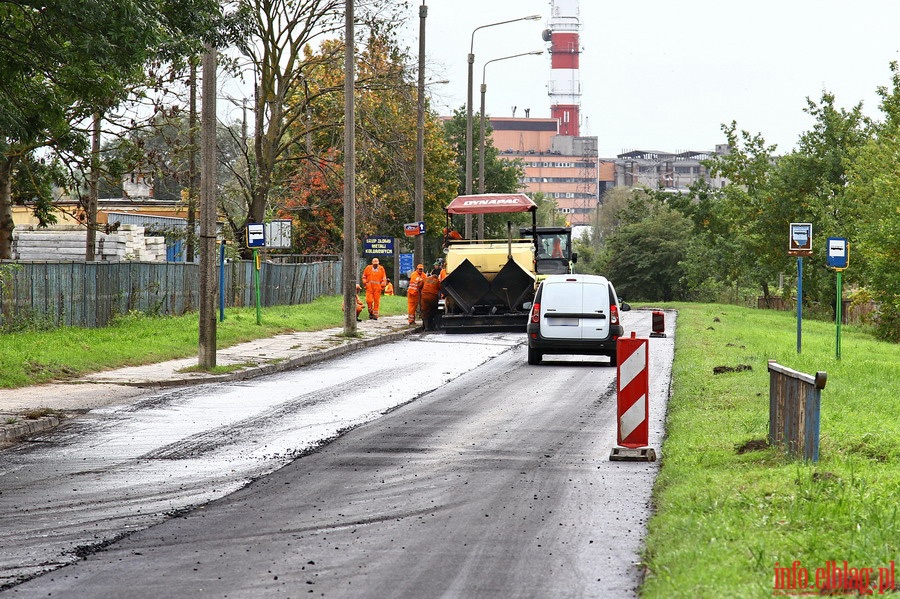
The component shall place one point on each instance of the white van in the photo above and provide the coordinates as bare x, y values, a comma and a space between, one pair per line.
574, 314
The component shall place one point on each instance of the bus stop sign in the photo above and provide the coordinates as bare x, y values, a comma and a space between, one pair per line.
838, 253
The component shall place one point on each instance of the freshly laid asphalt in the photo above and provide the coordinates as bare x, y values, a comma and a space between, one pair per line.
21, 409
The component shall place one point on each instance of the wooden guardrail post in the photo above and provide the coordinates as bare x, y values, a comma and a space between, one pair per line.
794, 399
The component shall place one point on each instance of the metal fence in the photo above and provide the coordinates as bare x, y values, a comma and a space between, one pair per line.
91, 294
794, 401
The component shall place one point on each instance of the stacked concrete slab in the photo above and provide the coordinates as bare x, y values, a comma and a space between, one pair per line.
129, 242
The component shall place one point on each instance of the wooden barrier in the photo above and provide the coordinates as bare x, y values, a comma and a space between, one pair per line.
794, 399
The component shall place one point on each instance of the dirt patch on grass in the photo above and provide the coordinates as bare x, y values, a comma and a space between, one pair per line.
752, 445
726, 369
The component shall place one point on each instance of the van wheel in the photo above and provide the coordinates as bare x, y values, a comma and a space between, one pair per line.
534, 356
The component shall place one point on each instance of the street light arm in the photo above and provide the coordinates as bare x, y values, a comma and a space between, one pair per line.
472, 41
484, 68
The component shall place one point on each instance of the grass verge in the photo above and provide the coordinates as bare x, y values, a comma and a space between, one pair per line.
730, 509
30, 358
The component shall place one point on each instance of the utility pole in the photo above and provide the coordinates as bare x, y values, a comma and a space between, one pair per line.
91, 237
419, 245
349, 175
190, 237
207, 353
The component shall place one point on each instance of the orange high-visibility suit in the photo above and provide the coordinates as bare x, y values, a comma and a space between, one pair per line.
431, 291
374, 279
359, 304
557, 249
416, 279
389, 290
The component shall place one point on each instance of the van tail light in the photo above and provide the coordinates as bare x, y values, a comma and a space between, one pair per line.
613, 314
535, 313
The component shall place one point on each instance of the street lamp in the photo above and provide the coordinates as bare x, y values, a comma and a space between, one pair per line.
469, 110
481, 143
419, 244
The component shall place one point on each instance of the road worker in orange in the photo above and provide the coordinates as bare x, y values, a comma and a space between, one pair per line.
431, 292
557, 248
389, 290
374, 279
413, 292
359, 304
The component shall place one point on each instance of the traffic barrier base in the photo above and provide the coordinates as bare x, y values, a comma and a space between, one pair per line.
626, 454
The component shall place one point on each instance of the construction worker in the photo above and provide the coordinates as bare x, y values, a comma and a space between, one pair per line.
374, 279
557, 248
389, 290
413, 292
431, 291
359, 304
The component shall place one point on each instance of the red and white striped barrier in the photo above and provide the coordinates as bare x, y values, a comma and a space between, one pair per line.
633, 399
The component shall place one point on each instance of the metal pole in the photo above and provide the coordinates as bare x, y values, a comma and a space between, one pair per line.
418, 241
256, 284
349, 257
222, 282
468, 229
838, 310
481, 141
799, 303
471, 59
481, 159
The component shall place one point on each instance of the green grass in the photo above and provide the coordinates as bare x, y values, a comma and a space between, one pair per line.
29, 358
724, 517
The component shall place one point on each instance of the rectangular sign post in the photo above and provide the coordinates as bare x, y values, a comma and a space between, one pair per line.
838, 258
800, 245
256, 238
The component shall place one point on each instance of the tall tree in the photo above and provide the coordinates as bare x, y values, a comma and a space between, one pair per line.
385, 163
65, 61
874, 190
645, 254
280, 34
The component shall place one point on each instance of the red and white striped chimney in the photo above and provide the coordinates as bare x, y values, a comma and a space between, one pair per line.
564, 87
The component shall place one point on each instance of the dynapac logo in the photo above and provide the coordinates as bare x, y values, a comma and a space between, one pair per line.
489, 202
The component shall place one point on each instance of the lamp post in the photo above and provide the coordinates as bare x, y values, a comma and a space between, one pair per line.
469, 109
481, 143
419, 244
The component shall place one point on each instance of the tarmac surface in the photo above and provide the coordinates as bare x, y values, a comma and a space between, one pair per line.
29, 410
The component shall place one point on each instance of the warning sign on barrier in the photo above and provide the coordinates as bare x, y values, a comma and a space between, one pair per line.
632, 392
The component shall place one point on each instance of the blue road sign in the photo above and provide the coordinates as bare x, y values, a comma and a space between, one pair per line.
378, 247
406, 263
256, 235
838, 253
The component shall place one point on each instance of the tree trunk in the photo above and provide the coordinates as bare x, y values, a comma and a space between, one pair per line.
6, 219
767, 295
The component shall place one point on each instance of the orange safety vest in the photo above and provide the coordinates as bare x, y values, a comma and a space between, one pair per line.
415, 282
374, 277
431, 287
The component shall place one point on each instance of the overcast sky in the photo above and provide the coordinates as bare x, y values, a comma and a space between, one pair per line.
664, 76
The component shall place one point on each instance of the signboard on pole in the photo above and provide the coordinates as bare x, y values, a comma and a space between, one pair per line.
406, 263
278, 233
800, 242
378, 247
838, 253
256, 235
414, 229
